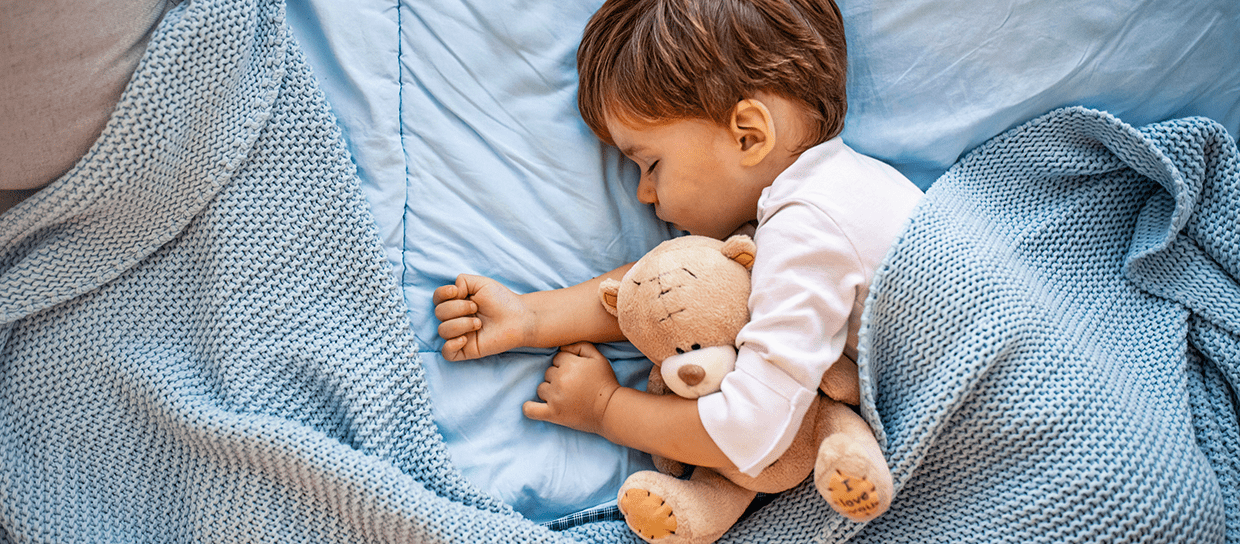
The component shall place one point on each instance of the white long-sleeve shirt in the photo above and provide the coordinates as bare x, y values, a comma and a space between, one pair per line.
824, 226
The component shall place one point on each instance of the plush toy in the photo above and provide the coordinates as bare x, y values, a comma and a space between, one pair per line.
682, 305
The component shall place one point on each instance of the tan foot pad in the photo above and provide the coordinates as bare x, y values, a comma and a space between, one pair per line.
854, 497
647, 514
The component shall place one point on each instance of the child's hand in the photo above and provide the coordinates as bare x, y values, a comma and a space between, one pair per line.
480, 317
578, 386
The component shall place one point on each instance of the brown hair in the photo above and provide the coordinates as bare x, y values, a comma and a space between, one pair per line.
660, 60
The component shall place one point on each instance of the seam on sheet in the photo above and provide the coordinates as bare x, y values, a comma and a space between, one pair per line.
400, 130
404, 155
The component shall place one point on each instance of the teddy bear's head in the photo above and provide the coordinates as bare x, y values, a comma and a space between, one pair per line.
682, 305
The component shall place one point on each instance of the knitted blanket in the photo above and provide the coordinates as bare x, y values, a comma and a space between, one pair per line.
200, 340
1053, 346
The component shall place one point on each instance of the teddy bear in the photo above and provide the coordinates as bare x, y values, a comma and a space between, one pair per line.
682, 305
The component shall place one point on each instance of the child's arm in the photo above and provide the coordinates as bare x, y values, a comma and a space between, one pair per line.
480, 317
581, 392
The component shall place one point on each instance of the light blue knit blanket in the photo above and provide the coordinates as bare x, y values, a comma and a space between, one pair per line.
200, 340
1053, 346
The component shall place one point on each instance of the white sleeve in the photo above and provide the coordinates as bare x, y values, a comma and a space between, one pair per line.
806, 278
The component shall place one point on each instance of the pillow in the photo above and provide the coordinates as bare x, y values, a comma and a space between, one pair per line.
65, 63
930, 80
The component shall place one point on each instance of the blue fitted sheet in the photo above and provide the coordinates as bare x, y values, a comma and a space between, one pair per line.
461, 117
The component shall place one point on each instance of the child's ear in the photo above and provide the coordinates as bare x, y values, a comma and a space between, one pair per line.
753, 130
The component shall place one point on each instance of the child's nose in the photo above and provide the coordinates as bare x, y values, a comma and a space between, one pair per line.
645, 192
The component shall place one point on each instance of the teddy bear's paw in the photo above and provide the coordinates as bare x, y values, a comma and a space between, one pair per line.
852, 475
647, 514
856, 497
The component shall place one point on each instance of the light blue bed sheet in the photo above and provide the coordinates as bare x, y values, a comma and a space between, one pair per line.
462, 119
461, 116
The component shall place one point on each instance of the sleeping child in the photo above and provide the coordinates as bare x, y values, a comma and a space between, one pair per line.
732, 111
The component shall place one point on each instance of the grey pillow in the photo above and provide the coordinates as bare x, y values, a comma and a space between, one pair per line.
63, 66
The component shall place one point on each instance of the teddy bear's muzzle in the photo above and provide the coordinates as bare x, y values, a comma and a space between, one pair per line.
699, 372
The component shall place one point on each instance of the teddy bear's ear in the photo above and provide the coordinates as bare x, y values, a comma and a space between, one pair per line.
607, 293
740, 248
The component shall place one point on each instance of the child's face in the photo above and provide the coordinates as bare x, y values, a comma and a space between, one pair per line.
692, 175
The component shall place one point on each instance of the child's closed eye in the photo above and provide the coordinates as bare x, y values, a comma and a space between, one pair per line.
651, 169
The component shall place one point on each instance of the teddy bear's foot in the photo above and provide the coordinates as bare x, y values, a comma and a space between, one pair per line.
855, 497
666, 510
647, 514
854, 482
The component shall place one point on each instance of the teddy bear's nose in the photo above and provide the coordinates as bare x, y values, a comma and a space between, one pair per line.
691, 374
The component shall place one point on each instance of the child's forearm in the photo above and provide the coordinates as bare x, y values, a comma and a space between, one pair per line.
572, 314
663, 425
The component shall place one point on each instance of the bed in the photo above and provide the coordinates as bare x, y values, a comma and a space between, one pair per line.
1034, 373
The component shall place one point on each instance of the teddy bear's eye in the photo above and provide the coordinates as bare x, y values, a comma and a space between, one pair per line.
679, 351
696, 346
